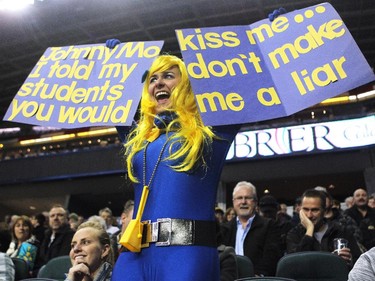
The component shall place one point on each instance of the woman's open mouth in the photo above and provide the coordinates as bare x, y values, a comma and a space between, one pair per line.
162, 97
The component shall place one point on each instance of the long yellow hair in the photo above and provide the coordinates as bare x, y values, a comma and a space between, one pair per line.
190, 133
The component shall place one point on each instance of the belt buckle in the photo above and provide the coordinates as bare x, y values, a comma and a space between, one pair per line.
169, 229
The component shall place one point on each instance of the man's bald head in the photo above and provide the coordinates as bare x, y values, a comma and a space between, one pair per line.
360, 198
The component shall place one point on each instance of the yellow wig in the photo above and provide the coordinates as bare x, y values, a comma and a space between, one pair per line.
190, 133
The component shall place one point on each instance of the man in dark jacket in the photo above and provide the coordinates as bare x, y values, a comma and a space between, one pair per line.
268, 208
40, 229
364, 217
250, 234
334, 215
58, 238
315, 234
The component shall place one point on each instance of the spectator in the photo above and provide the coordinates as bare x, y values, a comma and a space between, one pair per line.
126, 216
73, 221
283, 208
364, 217
24, 245
229, 214
349, 202
268, 207
250, 234
106, 214
39, 227
371, 201
364, 268
99, 220
219, 214
58, 237
334, 215
227, 258
12, 220
296, 209
5, 237
336, 204
91, 254
81, 219
282, 214
314, 233
6, 268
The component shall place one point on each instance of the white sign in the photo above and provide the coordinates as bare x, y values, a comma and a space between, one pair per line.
311, 138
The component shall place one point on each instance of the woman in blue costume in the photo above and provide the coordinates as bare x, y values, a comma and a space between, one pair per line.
180, 160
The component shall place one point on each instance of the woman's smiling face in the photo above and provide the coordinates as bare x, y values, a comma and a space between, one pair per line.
161, 87
86, 248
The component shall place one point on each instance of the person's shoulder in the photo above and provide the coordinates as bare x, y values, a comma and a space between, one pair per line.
371, 212
112, 230
230, 224
297, 229
29, 246
48, 232
33, 241
351, 211
371, 253
263, 224
366, 259
66, 230
116, 233
4, 257
260, 220
336, 227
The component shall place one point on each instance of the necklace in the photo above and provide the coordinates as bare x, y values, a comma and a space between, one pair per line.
147, 186
137, 225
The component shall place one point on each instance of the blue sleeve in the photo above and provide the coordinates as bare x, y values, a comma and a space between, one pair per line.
28, 252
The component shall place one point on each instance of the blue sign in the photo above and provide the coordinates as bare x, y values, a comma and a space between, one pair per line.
266, 70
83, 86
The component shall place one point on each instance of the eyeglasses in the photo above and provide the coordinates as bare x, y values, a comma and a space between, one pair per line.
241, 198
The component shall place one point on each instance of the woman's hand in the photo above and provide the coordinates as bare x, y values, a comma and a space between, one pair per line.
111, 43
276, 13
78, 271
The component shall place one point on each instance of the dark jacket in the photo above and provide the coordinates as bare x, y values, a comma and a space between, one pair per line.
366, 225
39, 232
357, 216
348, 223
59, 247
261, 244
297, 241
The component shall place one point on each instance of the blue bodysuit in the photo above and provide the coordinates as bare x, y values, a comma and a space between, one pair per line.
177, 195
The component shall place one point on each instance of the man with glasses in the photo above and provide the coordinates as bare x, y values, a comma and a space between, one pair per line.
250, 234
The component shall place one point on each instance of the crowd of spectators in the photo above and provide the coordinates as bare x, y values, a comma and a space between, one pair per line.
38, 150
43, 237
260, 228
